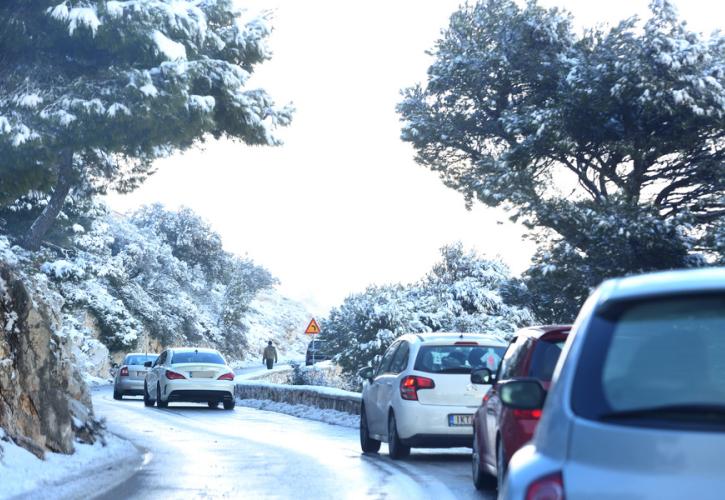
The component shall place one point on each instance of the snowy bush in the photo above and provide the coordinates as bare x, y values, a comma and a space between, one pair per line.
463, 293
158, 275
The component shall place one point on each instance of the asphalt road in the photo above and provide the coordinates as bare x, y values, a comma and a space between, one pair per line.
191, 451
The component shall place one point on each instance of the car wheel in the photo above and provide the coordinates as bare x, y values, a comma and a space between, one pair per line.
213, 404
396, 449
368, 444
229, 404
481, 480
500, 466
159, 403
147, 401
117, 395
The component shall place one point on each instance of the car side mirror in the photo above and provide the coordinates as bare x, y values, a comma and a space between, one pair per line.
147, 364
522, 394
482, 376
114, 365
366, 373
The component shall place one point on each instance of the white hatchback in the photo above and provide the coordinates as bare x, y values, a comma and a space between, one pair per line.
421, 395
189, 375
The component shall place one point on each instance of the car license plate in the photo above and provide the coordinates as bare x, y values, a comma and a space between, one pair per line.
140, 374
460, 420
201, 374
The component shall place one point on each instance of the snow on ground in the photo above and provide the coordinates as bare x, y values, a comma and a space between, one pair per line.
303, 411
22, 473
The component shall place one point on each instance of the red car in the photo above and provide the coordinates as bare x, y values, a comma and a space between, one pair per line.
499, 431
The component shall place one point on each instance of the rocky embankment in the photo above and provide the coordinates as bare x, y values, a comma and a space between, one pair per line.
44, 403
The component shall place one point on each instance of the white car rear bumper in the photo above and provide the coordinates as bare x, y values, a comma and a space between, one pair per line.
428, 425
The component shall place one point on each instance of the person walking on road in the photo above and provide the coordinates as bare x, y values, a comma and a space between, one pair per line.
270, 355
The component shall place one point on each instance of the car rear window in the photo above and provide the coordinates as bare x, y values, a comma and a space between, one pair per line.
654, 360
457, 358
197, 357
138, 359
544, 359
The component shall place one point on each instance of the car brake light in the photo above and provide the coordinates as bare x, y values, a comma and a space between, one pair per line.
227, 376
124, 371
466, 343
547, 488
530, 414
173, 375
410, 385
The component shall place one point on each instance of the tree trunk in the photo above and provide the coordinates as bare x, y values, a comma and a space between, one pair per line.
45, 220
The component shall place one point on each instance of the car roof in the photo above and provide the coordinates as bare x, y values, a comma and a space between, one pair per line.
689, 281
141, 354
192, 349
543, 331
452, 337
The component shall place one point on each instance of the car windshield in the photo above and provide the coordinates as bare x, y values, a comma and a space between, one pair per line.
457, 358
662, 358
197, 357
546, 354
139, 359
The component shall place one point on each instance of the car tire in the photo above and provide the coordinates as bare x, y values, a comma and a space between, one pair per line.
213, 404
396, 449
147, 401
159, 403
481, 479
229, 404
117, 395
500, 466
367, 444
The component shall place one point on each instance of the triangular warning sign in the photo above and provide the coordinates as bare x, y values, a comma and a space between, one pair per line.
313, 328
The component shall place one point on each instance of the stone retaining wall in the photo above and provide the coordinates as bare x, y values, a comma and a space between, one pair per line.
319, 397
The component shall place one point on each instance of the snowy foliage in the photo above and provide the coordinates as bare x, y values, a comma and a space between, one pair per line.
157, 276
463, 293
93, 91
610, 143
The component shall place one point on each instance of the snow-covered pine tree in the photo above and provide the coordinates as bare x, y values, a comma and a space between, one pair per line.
463, 293
612, 142
93, 91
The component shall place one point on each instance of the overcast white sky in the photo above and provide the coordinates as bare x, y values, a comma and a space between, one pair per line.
342, 204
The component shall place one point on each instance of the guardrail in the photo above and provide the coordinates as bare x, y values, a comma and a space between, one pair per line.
326, 398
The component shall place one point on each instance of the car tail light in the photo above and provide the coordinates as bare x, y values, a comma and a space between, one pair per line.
410, 385
530, 414
173, 375
124, 371
547, 488
227, 376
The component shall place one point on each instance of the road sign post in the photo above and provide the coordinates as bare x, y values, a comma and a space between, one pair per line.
313, 329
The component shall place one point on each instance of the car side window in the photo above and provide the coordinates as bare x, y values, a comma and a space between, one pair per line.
400, 361
387, 359
161, 359
511, 358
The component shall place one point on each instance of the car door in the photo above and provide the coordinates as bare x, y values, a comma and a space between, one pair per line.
506, 370
377, 409
153, 375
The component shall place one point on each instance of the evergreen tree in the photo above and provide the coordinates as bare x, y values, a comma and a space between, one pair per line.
610, 144
93, 91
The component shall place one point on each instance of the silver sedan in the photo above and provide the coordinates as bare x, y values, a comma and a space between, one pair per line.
131, 374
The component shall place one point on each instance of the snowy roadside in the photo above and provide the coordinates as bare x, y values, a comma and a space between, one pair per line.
303, 411
91, 469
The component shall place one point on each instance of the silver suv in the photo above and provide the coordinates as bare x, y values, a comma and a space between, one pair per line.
637, 406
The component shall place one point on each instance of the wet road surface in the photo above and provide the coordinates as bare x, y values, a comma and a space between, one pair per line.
191, 451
